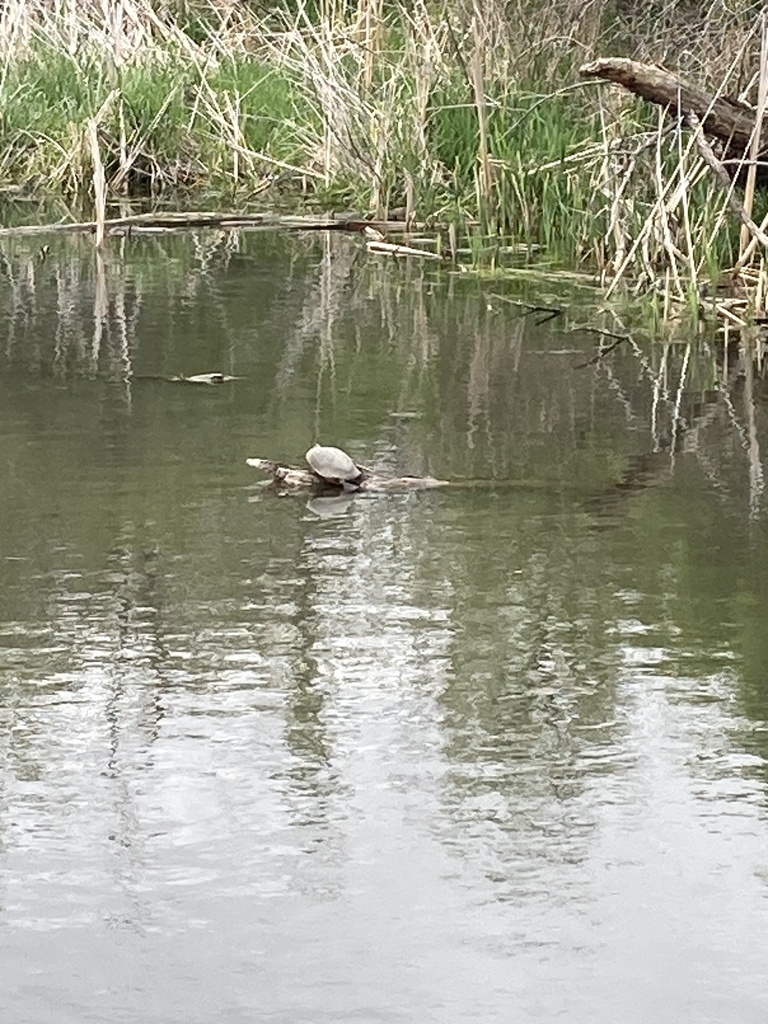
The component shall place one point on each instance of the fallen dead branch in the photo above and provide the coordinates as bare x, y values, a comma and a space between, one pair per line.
167, 222
721, 116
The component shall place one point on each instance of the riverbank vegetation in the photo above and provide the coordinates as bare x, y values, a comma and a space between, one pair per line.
465, 115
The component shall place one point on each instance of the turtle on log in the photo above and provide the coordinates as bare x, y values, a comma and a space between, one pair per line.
335, 467
331, 469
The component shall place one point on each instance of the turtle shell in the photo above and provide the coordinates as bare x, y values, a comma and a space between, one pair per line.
332, 464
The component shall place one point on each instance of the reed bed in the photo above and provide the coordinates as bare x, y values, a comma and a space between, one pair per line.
463, 115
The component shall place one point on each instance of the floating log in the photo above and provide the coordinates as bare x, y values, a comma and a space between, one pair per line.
721, 117
164, 223
293, 478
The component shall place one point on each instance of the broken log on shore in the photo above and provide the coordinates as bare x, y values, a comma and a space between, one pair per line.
722, 117
292, 478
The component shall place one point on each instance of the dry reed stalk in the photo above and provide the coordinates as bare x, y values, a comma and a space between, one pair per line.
362, 131
670, 195
754, 149
237, 134
685, 182
371, 12
10, 42
640, 243
478, 32
727, 313
99, 182
317, 55
756, 240
122, 170
453, 244
607, 177
410, 198
583, 156
521, 198
225, 115
117, 34
424, 63
760, 288
663, 218
126, 30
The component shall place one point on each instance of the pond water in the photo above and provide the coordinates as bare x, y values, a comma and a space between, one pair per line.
492, 752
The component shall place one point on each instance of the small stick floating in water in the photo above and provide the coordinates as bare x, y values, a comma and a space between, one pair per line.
203, 378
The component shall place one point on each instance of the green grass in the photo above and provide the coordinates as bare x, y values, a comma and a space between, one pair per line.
168, 115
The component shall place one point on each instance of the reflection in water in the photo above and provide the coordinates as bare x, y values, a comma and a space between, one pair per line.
331, 507
447, 755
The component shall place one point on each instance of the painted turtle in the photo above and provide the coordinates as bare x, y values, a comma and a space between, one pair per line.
334, 466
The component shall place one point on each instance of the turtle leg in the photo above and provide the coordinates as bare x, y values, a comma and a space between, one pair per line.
354, 483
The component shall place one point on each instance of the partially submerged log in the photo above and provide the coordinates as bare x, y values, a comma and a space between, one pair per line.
164, 223
721, 117
292, 478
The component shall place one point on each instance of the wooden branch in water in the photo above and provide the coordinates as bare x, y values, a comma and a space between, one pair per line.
167, 222
392, 249
294, 478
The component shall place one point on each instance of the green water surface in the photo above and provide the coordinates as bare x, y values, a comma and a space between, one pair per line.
495, 752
